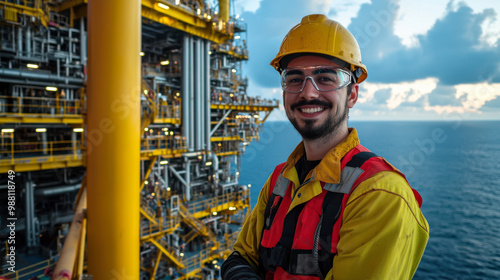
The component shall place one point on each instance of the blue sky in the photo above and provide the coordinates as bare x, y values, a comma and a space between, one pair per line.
426, 60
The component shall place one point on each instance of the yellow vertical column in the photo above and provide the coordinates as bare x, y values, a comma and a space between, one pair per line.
224, 10
113, 127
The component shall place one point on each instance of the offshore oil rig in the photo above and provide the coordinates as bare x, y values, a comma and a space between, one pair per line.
116, 174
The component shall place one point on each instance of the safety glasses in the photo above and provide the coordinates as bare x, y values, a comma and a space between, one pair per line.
323, 78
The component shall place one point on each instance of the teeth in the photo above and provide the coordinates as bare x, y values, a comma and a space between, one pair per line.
311, 110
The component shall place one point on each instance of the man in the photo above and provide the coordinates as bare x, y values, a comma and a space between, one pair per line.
334, 210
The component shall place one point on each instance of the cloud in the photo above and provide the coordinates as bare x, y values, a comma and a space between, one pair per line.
452, 50
438, 74
399, 92
247, 6
476, 95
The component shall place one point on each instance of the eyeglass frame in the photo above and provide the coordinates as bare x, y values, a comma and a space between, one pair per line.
345, 71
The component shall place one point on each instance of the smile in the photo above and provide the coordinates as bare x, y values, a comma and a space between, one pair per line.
311, 110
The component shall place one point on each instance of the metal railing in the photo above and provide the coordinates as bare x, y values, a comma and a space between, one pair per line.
11, 150
164, 223
169, 111
34, 270
240, 99
24, 3
214, 202
172, 143
40, 106
15, 150
220, 248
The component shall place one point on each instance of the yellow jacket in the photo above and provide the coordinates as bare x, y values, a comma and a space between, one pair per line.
383, 233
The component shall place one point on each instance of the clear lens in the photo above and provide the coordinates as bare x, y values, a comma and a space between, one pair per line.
324, 78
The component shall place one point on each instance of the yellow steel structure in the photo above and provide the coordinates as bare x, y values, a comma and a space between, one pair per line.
28, 7
244, 107
177, 17
187, 21
107, 110
224, 10
113, 161
65, 265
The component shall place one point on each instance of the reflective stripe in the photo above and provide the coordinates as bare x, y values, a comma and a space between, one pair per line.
349, 175
281, 186
317, 261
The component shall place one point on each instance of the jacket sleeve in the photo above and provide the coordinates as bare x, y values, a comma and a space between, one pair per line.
383, 234
247, 244
235, 267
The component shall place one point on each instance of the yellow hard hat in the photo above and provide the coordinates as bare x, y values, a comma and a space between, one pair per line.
316, 34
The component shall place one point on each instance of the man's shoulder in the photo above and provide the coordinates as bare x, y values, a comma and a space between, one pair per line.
390, 182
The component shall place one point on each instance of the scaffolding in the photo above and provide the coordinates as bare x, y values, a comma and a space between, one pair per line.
196, 120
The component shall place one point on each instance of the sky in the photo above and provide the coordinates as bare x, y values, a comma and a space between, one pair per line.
426, 60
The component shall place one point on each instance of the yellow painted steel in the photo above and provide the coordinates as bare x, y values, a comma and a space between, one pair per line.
224, 10
148, 216
225, 138
27, 271
113, 169
231, 153
185, 21
152, 162
158, 258
244, 107
33, 8
81, 252
65, 264
167, 253
42, 119
40, 163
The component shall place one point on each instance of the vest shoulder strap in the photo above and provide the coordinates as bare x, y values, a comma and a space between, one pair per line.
325, 237
276, 175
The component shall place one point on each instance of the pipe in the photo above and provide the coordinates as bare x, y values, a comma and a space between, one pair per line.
185, 90
83, 42
29, 210
56, 190
113, 141
191, 95
197, 94
20, 41
39, 76
28, 41
188, 181
208, 143
201, 97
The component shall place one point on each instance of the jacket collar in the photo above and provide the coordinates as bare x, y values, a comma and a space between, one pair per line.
328, 170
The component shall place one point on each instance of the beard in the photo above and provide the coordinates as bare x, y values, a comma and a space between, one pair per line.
311, 131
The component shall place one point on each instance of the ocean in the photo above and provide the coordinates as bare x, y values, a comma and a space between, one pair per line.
455, 166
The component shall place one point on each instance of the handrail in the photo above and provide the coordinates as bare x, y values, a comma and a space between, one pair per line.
228, 98
32, 269
166, 224
168, 111
15, 150
198, 225
213, 202
224, 247
155, 142
41, 106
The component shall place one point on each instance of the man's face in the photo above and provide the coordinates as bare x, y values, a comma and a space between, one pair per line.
317, 114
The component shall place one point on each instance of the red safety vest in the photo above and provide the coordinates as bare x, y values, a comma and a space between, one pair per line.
307, 246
